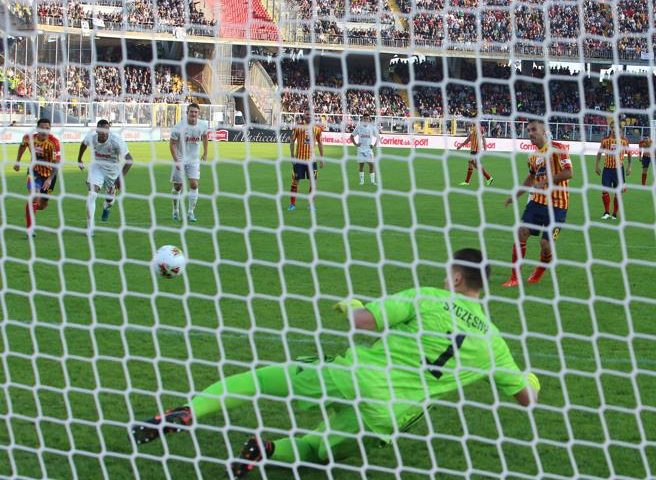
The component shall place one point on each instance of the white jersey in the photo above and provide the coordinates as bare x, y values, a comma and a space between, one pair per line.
109, 154
189, 138
366, 133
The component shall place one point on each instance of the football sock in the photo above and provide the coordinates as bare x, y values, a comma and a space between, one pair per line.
30, 213
615, 205
372, 177
644, 179
605, 197
486, 174
193, 199
176, 199
271, 380
361, 177
544, 258
294, 189
284, 450
91, 208
516, 257
470, 171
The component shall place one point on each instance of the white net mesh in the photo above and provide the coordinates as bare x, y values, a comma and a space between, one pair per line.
93, 340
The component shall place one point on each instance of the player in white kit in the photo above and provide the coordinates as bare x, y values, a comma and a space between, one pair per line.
367, 135
184, 145
108, 150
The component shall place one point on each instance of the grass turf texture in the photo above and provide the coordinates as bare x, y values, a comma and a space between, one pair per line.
86, 345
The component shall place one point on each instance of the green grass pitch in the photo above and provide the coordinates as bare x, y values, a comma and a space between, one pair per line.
89, 336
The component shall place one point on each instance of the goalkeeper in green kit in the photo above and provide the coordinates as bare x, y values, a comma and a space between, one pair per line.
431, 342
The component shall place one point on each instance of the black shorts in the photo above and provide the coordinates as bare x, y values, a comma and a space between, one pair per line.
538, 219
610, 179
646, 160
36, 181
301, 171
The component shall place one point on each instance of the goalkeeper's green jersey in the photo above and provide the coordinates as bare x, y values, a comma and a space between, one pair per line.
432, 342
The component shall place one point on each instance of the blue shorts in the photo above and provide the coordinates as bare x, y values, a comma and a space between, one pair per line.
301, 171
609, 178
646, 160
36, 181
537, 218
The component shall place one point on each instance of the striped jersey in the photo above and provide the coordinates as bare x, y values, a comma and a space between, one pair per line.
614, 151
543, 165
476, 139
304, 146
45, 152
645, 145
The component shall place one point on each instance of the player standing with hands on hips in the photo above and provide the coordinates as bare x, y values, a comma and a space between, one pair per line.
184, 145
366, 133
304, 164
107, 152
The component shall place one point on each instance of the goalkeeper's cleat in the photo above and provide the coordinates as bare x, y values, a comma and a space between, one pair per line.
191, 218
105, 214
536, 276
250, 456
489, 181
464, 184
291, 207
153, 428
605, 216
511, 282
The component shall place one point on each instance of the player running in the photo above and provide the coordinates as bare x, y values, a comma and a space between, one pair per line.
431, 342
549, 172
646, 152
476, 141
184, 145
367, 135
42, 171
108, 150
301, 147
614, 150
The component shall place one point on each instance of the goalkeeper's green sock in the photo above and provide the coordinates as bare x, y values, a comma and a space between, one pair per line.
272, 381
284, 451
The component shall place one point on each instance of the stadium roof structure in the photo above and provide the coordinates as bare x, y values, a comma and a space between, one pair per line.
528, 51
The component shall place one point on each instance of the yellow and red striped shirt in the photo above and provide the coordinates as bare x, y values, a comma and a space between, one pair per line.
45, 152
304, 146
645, 145
614, 151
543, 165
476, 139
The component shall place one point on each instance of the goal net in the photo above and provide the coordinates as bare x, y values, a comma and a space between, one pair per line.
94, 341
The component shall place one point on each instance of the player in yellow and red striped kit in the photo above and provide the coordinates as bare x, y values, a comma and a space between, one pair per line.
42, 171
549, 171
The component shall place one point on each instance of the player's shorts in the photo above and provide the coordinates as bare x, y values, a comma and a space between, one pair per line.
646, 160
189, 170
610, 179
366, 156
301, 170
35, 183
538, 219
101, 177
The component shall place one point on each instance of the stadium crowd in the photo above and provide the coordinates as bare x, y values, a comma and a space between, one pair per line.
569, 93
139, 13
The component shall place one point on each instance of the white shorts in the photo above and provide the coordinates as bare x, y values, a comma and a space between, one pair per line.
366, 156
101, 177
191, 171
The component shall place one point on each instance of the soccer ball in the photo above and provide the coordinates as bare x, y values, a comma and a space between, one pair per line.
169, 262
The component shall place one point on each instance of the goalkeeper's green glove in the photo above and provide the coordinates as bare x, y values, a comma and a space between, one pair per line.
533, 382
345, 305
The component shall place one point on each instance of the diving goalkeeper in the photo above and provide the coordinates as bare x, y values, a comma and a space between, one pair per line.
432, 341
